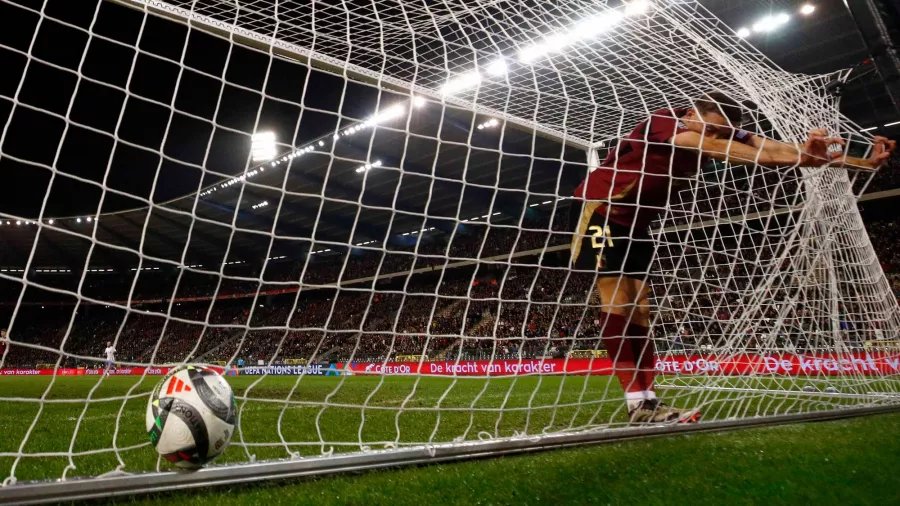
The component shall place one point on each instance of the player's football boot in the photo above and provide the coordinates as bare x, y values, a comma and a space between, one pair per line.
650, 411
680, 415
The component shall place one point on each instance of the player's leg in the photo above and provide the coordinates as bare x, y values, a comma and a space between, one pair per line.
605, 247
616, 304
619, 298
631, 253
645, 355
643, 346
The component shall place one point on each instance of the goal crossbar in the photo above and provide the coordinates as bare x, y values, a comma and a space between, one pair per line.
252, 39
762, 281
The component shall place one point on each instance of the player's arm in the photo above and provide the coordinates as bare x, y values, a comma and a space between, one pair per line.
771, 145
881, 152
732, 151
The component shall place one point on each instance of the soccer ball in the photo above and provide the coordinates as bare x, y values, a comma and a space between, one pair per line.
831, 390
191, 416
809, 388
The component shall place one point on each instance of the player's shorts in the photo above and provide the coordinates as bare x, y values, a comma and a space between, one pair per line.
109, 364
609, 248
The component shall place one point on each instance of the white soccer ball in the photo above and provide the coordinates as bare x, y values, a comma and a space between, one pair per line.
191, 416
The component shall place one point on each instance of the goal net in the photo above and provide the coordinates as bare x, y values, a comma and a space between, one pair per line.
358, 212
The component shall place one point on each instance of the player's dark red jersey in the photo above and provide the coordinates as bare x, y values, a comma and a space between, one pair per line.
632, 183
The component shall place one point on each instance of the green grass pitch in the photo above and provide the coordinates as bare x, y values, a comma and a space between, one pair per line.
324, 413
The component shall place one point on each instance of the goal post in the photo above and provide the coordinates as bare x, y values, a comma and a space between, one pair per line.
359, 214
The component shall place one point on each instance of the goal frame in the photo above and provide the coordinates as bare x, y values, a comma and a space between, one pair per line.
125, 484
122, 484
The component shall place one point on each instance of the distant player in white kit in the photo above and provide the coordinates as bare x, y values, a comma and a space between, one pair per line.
110, 357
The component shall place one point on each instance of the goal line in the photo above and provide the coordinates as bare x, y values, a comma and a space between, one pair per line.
124, 484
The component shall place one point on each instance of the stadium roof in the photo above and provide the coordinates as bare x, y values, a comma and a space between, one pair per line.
508, 171
836, 35
329, 197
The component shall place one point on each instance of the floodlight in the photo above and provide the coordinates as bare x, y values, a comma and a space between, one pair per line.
637, 7
497, 67
461, 83
262, 146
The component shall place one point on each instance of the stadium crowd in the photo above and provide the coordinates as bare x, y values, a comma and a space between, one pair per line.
514, 298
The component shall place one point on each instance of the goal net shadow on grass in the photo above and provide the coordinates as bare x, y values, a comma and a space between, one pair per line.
412, 221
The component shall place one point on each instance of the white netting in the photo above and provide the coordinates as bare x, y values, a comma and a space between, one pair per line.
433, 148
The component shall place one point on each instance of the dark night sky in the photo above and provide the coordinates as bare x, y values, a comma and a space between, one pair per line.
86, 143
128, 83
146, 126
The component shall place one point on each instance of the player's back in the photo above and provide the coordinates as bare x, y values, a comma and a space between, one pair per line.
634, 179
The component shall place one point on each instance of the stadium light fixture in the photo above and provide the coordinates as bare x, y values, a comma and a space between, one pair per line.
531, 53
587, 29
88, 219
50, 221
637, 7
18, 222
461, 83
763, 25
419, 101
770, 23
743, 32
388, 114
807, 9
78, 220
363, 168
262, 146
497, 68
489, 124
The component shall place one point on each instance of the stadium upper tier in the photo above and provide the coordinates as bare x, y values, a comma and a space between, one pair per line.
444, 172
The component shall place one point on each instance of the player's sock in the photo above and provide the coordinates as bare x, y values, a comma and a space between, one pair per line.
633, 400
620, 351
644, 350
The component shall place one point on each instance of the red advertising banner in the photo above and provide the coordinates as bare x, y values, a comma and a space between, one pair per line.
877, 364
874, 364
850, 364
70, 371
